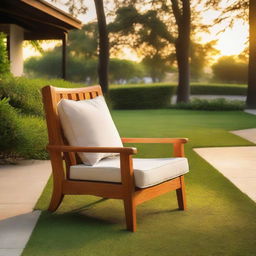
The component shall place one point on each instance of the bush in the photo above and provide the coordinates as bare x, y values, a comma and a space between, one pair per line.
9, 127
21, 136
216, 104
25, 94
229, 69
218, 89
4, 62
33, 138
201, 88
141, 97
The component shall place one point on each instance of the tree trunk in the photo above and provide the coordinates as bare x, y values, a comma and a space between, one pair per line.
251, 91
182, 46
182, 55
103, 46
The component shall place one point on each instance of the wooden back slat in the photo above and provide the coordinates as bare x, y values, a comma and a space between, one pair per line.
81, 96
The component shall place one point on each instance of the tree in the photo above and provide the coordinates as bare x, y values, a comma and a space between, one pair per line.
251, 91
82, 69
75, 7
83, 43
123, 71
103, 46
245, 10
156, 33
200, 56
230, 69
78, 7
156, 67
182, 44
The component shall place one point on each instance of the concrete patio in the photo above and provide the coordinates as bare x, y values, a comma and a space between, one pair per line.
20, 187
238, 164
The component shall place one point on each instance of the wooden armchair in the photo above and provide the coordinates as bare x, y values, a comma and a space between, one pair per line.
126, 189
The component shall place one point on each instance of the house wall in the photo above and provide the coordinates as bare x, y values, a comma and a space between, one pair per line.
16, 51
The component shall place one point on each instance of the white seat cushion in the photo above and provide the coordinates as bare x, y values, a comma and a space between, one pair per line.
88, 123
147, 172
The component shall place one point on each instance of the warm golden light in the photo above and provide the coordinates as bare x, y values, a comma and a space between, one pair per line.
230, 42
233, 41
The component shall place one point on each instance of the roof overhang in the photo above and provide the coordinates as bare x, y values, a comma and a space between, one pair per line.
39, 19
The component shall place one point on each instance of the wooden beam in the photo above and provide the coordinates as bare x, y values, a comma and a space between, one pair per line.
31, 20
54, 12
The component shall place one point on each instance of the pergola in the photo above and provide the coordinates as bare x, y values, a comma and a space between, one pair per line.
33, 20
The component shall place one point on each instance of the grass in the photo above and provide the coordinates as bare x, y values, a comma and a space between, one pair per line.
220, 219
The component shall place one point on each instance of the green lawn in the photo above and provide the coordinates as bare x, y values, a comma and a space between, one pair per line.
220, 220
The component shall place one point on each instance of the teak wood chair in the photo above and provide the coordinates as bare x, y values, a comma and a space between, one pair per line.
126, 190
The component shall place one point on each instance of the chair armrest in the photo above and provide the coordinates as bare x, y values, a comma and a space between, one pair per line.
178, 143
155, 140
121, 150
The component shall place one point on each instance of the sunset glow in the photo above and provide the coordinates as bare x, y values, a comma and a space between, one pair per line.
230, 42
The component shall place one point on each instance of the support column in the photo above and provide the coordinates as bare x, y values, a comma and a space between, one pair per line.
64, 56
16, 50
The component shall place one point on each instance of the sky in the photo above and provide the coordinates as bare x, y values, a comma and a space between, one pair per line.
230, 42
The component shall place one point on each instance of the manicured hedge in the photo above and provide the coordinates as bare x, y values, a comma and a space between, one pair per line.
218, 89
141, 97
215, 104
25, 93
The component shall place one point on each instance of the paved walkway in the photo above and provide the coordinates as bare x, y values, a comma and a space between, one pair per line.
251, 111
20, 187
238, 164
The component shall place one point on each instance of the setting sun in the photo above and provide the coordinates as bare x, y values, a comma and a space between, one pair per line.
233, 40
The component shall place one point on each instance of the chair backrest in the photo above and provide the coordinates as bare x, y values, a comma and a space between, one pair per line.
51, 97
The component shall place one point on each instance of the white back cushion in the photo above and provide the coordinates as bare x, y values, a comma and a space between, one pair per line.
88, 123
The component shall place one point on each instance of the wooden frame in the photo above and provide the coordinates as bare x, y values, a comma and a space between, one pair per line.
126, 190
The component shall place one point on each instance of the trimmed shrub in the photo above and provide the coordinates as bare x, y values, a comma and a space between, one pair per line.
21, 136
25, 93
218, 89
141, 97
216, 104
33, 138
9, 127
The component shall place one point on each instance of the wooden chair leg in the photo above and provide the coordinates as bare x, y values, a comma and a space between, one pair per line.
56, 200
130, 214
181, 195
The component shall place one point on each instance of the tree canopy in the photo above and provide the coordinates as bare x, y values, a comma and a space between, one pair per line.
165, 25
